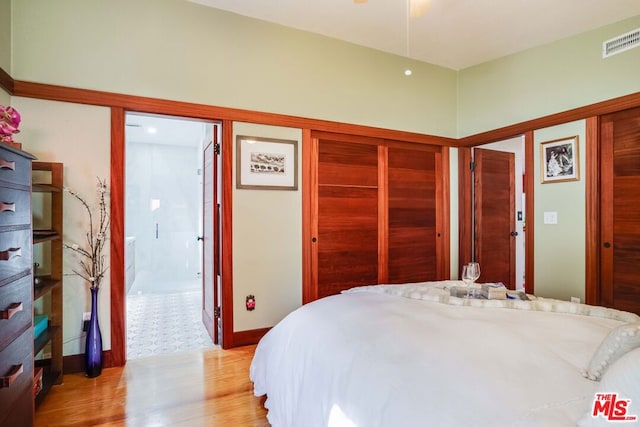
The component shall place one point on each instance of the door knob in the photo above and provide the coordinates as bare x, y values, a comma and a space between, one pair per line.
200, 239
514, 233
607, 245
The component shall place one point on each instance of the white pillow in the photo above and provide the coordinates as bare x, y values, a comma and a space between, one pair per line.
622, 378
620, 341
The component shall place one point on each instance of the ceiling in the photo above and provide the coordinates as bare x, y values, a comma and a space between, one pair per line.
453, 33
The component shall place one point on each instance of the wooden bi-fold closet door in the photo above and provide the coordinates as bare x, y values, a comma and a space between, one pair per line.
374, 213
619, 211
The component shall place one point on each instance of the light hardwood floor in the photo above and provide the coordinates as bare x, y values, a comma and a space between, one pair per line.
209, 387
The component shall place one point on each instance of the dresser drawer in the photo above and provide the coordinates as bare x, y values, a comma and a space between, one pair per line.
15, 207
13, 359
15, 168
15, 253
15, 309
21, 412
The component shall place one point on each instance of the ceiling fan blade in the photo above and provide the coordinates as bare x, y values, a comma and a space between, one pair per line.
418, 7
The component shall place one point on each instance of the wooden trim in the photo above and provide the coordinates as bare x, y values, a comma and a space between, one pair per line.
598, 108
74, 363
606, 226
118, 295
250, 337
227, 235
6, 82
529, 235
464, 207
444, 222
592, 232
383, 214
188, 109
309, 217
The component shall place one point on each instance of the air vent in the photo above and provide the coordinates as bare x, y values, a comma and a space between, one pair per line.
621, 43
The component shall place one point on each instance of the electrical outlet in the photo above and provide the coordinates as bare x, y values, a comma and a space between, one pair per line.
86, 317
575, 299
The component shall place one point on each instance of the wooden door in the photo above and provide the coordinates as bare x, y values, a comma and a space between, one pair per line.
494, 216
620, 210
412, 187
210, 240
347, 216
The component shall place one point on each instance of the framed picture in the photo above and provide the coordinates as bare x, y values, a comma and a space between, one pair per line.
266, 163
559, 160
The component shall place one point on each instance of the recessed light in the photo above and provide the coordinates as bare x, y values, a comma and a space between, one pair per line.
408, 72
152, 130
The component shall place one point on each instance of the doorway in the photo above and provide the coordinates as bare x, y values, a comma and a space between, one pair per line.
163, 229
499, 220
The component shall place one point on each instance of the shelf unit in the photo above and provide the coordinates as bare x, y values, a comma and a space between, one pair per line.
47, 240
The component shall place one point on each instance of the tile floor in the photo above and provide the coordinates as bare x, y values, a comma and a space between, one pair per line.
164, 322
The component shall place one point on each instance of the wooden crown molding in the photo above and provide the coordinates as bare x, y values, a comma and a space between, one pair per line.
180, 108
6, 82
599, 108
194, 110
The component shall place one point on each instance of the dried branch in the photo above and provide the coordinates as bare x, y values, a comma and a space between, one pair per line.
92, 260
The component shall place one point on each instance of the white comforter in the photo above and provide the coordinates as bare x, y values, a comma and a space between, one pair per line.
411, 356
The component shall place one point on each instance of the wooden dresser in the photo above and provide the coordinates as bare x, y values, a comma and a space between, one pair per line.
16, 289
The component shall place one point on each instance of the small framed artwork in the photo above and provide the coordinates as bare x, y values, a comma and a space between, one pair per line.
559, 160
266, 163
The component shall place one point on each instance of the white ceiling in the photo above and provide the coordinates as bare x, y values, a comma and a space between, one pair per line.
453, 33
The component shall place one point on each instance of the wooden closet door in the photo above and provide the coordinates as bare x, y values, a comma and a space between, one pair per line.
412, 226
620, 210
347, 212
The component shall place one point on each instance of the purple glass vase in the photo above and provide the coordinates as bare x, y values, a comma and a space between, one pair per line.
93, 348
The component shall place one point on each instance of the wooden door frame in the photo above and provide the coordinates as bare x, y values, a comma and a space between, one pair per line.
592, 205
118, 354
310, 142
465, 210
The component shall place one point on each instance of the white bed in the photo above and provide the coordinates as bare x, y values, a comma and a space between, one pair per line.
410, 355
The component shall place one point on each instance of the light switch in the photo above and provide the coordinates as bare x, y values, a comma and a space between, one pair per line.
551, 217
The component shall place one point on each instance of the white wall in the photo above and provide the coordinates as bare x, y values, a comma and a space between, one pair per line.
560, 249
78, 136
267, 243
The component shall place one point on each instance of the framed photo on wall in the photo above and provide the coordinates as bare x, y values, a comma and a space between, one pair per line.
266, 163
559, 160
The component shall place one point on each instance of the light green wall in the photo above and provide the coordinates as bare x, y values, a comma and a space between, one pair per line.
267, 243
177, 50
537, 82
5, 99
79, 137
560, 249
5, 35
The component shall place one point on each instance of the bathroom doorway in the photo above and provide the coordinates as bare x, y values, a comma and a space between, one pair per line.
163, 229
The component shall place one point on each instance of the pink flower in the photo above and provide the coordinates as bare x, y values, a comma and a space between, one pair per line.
9, 122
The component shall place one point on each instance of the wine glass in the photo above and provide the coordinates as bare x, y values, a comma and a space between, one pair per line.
470, 273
